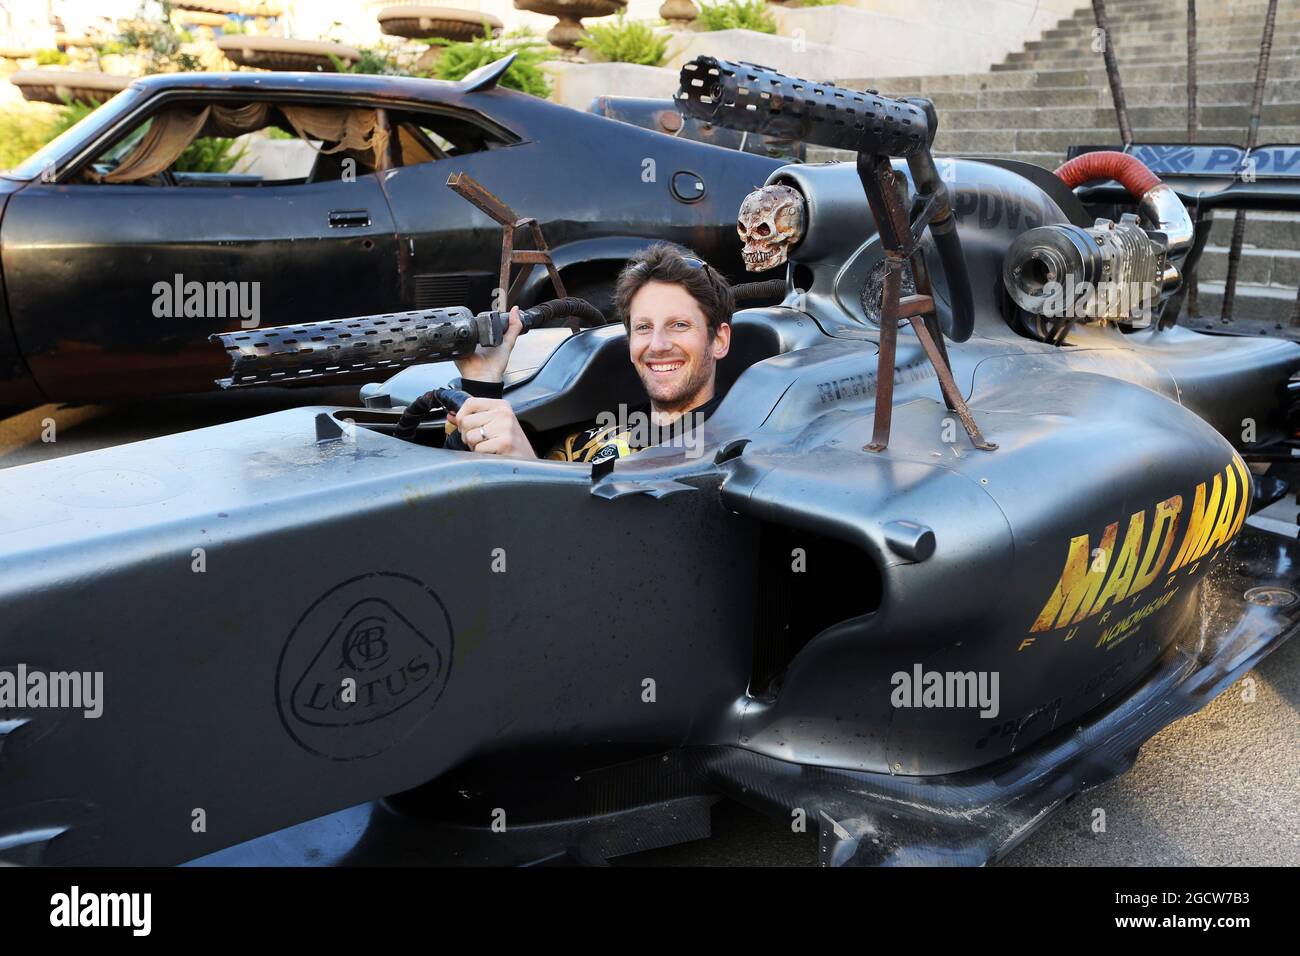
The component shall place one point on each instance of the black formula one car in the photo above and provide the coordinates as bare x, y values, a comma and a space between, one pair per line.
117, 266
942, 558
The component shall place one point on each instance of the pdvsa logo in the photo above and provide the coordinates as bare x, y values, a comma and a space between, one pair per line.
364, 666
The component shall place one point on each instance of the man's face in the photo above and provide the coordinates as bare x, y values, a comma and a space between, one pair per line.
668, 338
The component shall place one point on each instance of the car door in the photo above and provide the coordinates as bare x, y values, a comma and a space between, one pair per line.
451, 251
114, 288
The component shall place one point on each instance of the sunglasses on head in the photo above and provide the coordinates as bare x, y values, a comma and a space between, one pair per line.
693, 261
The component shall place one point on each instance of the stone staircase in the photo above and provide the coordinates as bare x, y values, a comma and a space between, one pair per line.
1054, 94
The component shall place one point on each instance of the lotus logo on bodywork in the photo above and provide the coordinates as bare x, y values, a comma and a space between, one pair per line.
364, 666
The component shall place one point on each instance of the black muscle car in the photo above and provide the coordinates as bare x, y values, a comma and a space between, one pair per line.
118, 264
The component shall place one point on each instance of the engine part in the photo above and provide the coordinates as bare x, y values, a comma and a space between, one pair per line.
1159, 205
1107, 271
1119, 272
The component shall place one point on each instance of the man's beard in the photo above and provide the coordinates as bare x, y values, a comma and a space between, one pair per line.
685, 399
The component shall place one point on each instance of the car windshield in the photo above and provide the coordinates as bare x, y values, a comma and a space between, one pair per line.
68, 142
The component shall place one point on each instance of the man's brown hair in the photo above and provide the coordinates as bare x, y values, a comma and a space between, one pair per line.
665, 262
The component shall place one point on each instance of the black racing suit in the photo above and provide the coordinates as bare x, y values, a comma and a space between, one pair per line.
596, 442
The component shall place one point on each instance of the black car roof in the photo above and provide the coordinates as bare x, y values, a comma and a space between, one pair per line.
394, 87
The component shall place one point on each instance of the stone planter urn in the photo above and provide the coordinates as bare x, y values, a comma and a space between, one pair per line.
679, 13
54, 86
225, 8
427, 23
276, 53
569, 15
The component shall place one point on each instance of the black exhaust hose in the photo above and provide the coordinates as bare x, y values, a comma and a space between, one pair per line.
420, 410
943, 227
555, 312
766, 289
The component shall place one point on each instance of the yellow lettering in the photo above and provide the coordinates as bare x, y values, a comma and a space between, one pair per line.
1079, 583
1247, 492
1227, 512
1121, 575
1164, 528
1200, 523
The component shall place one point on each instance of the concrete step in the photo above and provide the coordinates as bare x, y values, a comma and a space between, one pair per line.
1150, 94
1045, 160
1283, 34
1250, 302
1172, 71
1264, 230
1080, 117
1004, 78
1123, 32
1037, 139
1176, 12
1127, 56
1136, 50
1205, 25
1264, 267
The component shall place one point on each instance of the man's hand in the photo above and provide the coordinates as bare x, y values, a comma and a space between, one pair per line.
489, 425
488, 364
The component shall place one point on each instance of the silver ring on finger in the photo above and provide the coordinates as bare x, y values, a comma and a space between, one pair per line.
482, 433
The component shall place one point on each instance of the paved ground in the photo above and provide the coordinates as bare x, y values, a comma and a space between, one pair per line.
1218, 788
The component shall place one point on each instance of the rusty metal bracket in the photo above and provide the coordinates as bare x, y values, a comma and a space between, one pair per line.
901, 241
470, 189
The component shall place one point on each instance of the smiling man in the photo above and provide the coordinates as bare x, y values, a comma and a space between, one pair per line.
677, 312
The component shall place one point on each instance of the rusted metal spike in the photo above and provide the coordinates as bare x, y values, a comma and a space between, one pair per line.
467, 187
885, 359
470, 189
949, 386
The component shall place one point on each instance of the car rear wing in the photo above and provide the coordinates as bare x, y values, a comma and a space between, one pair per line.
1211, 175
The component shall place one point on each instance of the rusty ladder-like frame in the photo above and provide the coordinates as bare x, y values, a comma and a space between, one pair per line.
471, 190
902, 244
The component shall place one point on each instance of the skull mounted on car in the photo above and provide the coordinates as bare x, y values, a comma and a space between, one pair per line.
771, 222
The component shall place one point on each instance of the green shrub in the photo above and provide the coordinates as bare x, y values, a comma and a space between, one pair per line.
458, 60
25, 129
737, 15
70, 115
158, 43
816, 3
51, 58
22, 133
625, 41
208, 154
374, 61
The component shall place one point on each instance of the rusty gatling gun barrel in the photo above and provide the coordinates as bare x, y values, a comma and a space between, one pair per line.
757, 99
367, 343
371, 343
